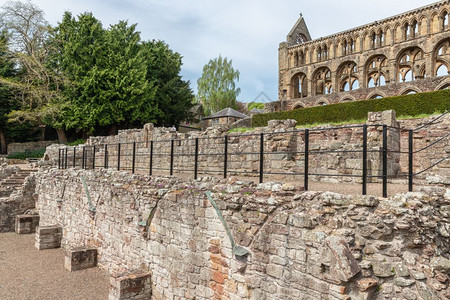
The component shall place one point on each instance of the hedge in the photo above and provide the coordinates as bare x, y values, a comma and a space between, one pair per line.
405, 105
29, 154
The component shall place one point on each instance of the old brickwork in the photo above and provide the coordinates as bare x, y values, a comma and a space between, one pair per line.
300, 245
406, 53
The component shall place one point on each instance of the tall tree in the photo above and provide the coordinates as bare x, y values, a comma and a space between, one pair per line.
174, 97
217, 85
38, 84
107, 71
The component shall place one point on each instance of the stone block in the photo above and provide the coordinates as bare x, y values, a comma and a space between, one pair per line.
26, 223
80, 258
130, 285
48, 237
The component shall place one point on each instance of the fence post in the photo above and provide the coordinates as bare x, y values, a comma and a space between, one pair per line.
118, 157
106, 156
225, 158
261, 158
74, 155
171, 156
151, 159
65, 160
93, 157
410, 161
59, 158
385, 161
134, 158
306, 159
83, 164
364, 161
196, 159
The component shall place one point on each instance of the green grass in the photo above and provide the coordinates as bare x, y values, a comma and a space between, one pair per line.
241, 129
29, 154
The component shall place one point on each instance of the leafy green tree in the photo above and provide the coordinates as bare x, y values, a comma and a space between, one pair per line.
107, 71
174, 97
217, 85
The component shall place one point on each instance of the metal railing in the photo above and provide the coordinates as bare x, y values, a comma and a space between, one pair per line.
163, 155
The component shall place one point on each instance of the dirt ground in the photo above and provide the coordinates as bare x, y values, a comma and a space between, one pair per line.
28, 274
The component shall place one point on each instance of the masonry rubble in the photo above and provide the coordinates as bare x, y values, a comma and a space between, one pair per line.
335, 154
297, 245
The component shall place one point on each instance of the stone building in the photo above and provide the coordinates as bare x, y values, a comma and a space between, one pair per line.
403, 54
226, 116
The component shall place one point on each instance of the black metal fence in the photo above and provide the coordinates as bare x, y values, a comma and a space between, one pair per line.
183, 155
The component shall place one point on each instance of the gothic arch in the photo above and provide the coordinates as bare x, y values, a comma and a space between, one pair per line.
410, 90
299, 86
347, 98
441, 56
444, 85
298, 105
376, 71
410, 64
322, 83
322, 101
376, 95
347, 76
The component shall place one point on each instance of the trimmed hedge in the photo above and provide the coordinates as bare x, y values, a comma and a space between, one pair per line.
405, 105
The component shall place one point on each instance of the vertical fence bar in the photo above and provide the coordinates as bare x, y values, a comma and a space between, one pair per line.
410, 161
225, 158
93, 157
118, 157
82, 158
151, 159
306, 159
384, 161
74, 155
261, 158
364, 161
106, 156
171, 156
196, 159
59, 158
134, 158
65, 159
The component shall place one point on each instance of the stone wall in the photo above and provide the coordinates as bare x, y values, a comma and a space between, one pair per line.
289, 244
30, 146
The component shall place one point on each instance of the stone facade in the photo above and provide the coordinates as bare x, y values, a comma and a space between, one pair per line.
275, 242
407, 53
283, 150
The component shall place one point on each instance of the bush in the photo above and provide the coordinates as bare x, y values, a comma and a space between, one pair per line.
29, 154
405, 105
76, 142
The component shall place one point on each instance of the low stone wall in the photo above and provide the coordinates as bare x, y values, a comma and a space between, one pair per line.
288, 244
30, 146
17, 203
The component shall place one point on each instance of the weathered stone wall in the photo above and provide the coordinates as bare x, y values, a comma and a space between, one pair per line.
30, 146
301, 245
16, 203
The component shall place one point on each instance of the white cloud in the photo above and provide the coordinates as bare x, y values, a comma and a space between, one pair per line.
247, 31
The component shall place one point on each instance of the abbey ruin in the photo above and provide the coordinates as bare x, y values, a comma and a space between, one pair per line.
403, 54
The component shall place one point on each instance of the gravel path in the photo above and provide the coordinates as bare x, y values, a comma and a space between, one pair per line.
27, 273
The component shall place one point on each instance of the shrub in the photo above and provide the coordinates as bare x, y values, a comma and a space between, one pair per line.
405, 105
29, 154
76, 142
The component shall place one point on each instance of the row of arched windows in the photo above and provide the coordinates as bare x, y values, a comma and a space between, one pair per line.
410, 66
375, 38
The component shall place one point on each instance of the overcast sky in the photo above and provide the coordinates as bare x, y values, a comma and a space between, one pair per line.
246, 31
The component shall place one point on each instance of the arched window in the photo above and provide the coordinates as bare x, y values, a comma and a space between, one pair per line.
322, 81
376, 96
352, 46
444, 18
406, 31
301, 58
409, 92
296, 59
325, 53
299, 86
410, 65
382, 38
442, 70
374, 40
415, 29
376, 71
347, 75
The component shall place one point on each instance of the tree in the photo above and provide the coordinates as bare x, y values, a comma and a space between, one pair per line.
107, 71
39, 85
217, 85
174, 97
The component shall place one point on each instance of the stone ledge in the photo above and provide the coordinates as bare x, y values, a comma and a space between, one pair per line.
131, 285
26, 224
80, 258
48, 237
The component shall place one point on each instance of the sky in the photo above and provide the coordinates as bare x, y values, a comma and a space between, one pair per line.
246, 31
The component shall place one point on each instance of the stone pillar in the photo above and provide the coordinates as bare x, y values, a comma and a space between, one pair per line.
80, 258
375, 142
132, 285
26, 223
48, 237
